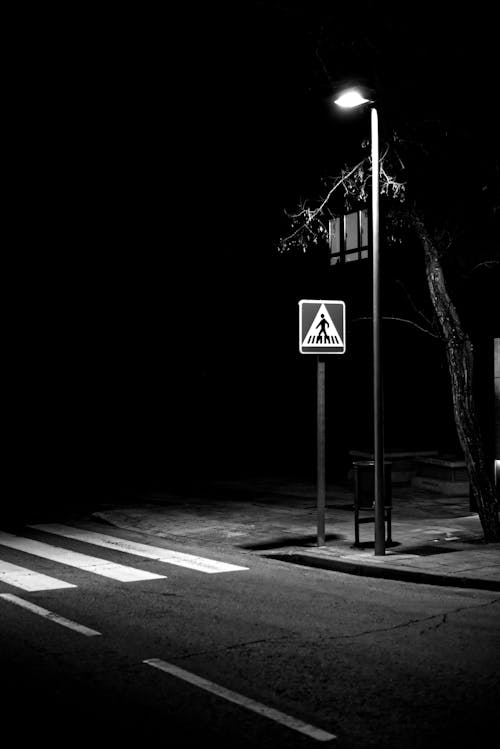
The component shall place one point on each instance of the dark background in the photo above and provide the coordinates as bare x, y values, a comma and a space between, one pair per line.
154, 323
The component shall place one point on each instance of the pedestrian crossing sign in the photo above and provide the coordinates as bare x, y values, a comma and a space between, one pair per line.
321, 326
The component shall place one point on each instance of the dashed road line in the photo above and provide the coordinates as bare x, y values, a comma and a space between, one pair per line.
49, 615
238, 699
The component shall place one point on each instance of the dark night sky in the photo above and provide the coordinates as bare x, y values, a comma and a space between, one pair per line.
157, 153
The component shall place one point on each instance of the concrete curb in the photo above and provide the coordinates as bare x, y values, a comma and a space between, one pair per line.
389, 570
387, 573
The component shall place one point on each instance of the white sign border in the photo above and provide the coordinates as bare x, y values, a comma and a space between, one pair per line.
325, 352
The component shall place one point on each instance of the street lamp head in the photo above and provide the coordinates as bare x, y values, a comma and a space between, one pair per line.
350, 99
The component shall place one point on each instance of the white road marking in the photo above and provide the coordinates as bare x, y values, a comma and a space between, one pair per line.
20, 577
74, 559
257, 707
49, 615
157, 553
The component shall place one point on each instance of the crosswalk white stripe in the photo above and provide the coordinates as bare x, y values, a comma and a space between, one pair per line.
158, 553
239, 699
21, 577
49, 615
74, 559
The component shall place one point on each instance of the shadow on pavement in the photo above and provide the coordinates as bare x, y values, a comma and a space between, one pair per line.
282, 542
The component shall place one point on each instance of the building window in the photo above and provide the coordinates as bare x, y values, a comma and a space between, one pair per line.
348, 237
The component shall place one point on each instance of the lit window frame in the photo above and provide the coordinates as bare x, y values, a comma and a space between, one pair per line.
338, 237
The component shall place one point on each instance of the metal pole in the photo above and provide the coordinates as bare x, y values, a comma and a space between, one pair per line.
321, 481
378, 428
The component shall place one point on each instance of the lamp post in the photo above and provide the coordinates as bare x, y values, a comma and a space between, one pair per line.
348, 100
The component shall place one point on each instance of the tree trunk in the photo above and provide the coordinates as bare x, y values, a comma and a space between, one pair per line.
459, 354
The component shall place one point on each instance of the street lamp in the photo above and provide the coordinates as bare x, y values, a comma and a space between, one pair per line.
348, 100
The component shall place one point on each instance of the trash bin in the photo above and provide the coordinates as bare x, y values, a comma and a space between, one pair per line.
364, 484
364, 494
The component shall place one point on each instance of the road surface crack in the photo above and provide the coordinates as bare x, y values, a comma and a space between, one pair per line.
441, 617
236, 646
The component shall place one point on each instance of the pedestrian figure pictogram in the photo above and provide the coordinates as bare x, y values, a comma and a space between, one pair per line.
322, 334
323, 337
322, 327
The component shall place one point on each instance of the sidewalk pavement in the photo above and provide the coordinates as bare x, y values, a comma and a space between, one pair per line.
436, 539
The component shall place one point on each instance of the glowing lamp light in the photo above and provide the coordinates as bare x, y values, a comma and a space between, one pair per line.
351, 99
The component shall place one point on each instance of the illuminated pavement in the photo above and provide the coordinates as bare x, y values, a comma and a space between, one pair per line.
436, 539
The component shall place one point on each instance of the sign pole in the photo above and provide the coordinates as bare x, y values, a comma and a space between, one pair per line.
321, 332
321, 481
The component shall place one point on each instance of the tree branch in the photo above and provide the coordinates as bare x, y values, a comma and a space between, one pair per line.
354, 182
488, 264
430, 323
408, 322
341, 180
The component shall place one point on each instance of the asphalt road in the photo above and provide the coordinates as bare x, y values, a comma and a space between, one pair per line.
373, 663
